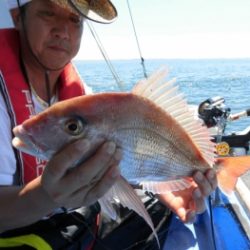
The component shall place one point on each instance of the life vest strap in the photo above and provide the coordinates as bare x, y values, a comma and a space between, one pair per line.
32, 240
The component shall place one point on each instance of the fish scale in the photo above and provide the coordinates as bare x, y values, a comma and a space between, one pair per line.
139, 154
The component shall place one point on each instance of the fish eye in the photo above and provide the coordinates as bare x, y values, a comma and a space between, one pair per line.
74, 126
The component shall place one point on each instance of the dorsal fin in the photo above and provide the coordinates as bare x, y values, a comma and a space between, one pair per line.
167, 96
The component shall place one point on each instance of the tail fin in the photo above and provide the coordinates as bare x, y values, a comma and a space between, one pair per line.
230, 168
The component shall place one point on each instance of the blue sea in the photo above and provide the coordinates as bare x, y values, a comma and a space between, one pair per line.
198, 79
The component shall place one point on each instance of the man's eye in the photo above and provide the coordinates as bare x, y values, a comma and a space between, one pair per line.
47, 13
75, 19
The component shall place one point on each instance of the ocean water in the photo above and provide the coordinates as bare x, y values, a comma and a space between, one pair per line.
198, 79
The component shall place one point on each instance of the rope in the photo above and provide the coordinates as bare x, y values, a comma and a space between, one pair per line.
137, 41
210, 203
105, 56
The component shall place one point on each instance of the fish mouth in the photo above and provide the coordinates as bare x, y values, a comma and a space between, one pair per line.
25, 142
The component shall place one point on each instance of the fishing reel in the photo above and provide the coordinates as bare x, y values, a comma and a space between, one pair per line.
213, 110
215, 115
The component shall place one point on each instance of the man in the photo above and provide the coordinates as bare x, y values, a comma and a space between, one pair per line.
35, 67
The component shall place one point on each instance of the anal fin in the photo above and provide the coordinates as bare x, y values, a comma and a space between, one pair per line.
127, 197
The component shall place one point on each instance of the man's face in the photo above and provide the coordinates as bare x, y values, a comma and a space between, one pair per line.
54, 34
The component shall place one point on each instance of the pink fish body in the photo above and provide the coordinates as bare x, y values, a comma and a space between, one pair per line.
150, 137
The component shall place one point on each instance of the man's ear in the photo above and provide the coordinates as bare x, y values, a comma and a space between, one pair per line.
16, 17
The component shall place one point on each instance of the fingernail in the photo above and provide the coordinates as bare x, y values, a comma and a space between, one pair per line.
118, 154
110, 147
199, 176
192, 217
211, 175
115, 172
197, 193
82, 144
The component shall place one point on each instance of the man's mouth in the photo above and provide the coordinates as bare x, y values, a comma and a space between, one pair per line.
58, 48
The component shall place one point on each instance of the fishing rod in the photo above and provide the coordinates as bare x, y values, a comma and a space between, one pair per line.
239, 115
119, 83
137, 41
105, 56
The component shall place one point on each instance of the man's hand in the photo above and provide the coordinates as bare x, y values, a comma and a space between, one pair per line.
62, 184
189, 202
84, 184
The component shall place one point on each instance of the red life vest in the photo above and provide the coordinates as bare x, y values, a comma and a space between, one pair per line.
16, 93
17, 96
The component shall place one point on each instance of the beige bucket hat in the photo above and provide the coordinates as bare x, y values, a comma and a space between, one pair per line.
102, 11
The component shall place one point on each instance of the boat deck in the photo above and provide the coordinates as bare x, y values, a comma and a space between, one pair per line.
246, 179
243, 195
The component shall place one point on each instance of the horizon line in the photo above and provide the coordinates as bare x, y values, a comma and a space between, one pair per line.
164, 58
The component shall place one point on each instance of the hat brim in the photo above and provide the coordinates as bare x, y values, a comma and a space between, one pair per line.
102, 11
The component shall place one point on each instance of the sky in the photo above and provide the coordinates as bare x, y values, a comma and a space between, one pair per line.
174, 29
171, 29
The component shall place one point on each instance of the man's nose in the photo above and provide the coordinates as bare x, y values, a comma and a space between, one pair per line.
61, 29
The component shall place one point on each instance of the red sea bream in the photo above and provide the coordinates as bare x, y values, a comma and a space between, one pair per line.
161, 141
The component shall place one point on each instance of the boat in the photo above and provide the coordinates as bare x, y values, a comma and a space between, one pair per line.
234, 212
227, 219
